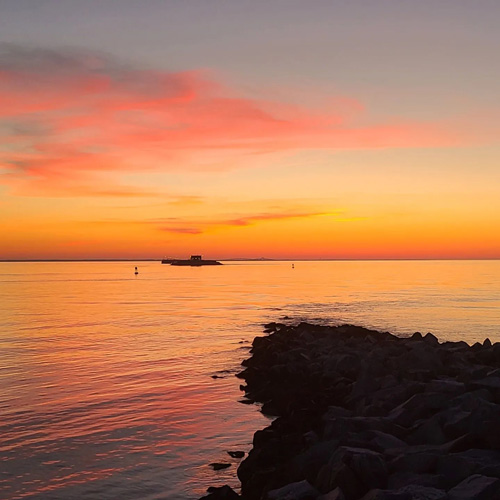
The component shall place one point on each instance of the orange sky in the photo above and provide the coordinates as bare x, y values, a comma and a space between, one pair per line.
105, 157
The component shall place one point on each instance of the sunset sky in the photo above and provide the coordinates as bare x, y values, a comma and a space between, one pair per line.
248, 128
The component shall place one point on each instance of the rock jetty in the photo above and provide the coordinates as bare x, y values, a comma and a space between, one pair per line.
366, 415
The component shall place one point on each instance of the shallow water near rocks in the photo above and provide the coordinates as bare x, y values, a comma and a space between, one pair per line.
106, 378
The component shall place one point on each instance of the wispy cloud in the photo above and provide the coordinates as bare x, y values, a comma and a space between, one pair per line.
203, 225
73, 121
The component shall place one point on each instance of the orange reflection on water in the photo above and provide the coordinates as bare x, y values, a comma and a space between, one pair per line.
106, 384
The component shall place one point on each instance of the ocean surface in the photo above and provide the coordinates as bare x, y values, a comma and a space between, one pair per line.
107, 387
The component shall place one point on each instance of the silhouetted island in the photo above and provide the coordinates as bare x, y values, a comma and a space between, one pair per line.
367, 415
195, 260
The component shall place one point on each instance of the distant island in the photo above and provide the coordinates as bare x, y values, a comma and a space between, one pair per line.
194, 261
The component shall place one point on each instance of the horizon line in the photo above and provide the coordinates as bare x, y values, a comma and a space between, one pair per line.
263, 259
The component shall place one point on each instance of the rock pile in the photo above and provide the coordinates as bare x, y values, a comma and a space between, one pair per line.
366, 415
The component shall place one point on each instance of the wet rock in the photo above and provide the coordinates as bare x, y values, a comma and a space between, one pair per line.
219, 465
222, 493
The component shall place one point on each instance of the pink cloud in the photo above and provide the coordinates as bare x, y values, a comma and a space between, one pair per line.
76, 120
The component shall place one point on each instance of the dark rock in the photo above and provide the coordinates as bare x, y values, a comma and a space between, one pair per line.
418, 462
490, 383
310, 438
429, 337
383, 441
386, 495
300, 490
354, 470
335, 494
335, 412
446, 386
401, 479
364, 413
236, 454
454, 469
222, 493
309, 462
417, 407
418, 492
484, 462
219, 465
429, 432
338, 474
476, 487
369, 466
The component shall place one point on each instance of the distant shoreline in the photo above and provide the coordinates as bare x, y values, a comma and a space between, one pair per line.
261, 259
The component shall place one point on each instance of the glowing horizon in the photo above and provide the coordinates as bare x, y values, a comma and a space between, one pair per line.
109, 151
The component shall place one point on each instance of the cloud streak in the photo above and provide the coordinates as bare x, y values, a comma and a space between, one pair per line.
74, 121
200, 226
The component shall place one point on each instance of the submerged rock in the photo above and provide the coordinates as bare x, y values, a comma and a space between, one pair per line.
219, 465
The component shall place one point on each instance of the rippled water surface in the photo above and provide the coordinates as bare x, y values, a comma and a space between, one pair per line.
106, 387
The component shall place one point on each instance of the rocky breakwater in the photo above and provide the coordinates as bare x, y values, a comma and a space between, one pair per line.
367, 415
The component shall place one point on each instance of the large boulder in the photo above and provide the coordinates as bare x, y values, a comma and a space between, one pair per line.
355, 470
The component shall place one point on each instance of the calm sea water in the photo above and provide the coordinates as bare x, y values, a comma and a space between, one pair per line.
106, 388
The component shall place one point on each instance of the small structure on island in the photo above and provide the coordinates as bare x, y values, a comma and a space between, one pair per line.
136, 272
194, 261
